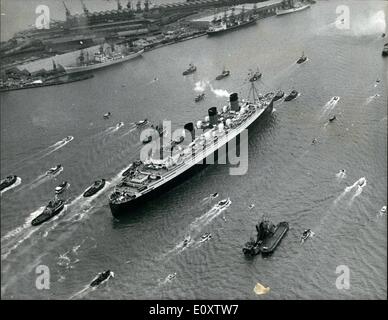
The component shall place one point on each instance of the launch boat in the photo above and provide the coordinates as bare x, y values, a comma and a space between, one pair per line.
152, 176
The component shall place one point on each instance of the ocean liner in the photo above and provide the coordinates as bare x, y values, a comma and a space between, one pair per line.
142, 180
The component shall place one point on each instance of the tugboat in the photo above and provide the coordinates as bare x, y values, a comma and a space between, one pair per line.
54, 170
192, 68
279, 95
293, 94
62, 187
302, 59
101, 278
255, 76
223, 75
268, 238
7, 182
199, 97
53, 208
94, 188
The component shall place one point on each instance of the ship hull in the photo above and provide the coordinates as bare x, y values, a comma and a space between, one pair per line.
221, 31
95, 66
282, 12
129, 206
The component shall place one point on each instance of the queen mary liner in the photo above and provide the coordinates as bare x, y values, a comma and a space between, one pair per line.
142, 180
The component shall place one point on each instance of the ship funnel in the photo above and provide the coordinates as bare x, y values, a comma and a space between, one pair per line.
213, 116
234, 105
190, 128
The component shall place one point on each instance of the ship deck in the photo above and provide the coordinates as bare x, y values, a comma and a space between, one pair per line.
153, 173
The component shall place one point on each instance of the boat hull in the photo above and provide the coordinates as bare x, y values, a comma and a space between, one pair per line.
129, 206
292, 10
221, 31
95, 66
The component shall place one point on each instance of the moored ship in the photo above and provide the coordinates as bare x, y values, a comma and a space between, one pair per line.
295, 8
231, 22
151, 176
102, 58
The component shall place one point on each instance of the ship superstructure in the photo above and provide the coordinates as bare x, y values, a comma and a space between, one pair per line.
143, 179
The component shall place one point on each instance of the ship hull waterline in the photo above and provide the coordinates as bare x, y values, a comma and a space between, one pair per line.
222, 31
95, 66
125, 208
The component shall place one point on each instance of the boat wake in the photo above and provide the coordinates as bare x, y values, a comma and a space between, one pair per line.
329, 106
357, 187
14, 238
341, 175
41, 179
194, 230
88, 288
17, 183
115, 128
371, 98
168, 279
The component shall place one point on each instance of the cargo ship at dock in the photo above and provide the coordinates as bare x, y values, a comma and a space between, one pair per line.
143, 180
231, 22
102, 59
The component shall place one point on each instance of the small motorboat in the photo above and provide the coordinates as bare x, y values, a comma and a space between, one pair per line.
53, 208
306, 234
107, 115
279, 95
171, 276
68, 138
383, 35
94, 188
332, 118
293, 94
62, 187
362, 182
103, 276
335, 98
141, 123
179, 139
302, 59
206, 236
7, 182
186, 241
223, 75
255, 76
192, 68
214, 195
199, 97
223, 203
54, 170
147, 139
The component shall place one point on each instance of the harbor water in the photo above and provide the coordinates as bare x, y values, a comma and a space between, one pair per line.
289, 177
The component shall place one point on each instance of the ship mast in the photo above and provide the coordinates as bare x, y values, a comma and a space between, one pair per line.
119, 6
86, 11
66, 9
